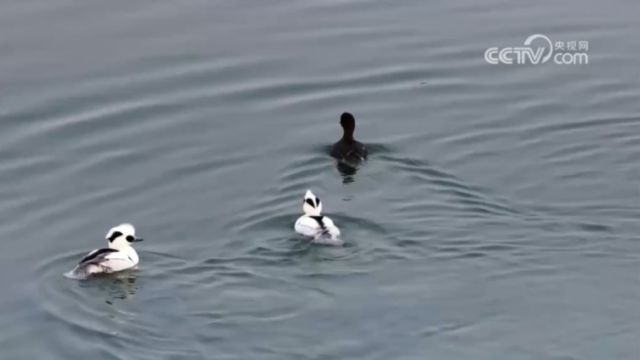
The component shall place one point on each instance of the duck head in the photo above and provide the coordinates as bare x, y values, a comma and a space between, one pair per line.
311, 205
122, 236
348, 123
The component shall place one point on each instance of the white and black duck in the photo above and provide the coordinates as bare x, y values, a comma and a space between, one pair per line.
119, 254
316, 226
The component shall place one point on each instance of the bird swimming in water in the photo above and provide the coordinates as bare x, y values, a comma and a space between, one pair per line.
315, 225
348, 149
117, 256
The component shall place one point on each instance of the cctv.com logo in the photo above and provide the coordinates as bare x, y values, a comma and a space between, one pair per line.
539, 49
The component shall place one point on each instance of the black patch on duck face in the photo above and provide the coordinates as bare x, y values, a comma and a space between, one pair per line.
131, 238
317, 201
97, 254
310, 202
115, 235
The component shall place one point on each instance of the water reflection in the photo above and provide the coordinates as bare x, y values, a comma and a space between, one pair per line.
118, 286
347, 171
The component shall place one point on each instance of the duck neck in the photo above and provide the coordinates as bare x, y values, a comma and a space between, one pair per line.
347, 136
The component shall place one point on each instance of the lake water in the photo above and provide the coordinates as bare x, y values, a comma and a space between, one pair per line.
497, 217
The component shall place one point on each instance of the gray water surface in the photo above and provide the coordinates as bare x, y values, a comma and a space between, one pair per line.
496, 218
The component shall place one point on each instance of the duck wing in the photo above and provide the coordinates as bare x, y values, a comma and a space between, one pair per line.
320, 228
108, 260
96, 255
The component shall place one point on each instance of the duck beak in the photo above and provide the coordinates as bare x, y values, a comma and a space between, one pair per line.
138, 240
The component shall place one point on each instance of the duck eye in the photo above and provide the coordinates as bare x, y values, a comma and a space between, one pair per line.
130, 238
115, 235
310, 202
317, 201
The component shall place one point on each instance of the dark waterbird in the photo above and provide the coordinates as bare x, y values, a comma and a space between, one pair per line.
348, 150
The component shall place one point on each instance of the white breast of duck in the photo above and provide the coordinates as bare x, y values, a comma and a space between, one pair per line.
315, 225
